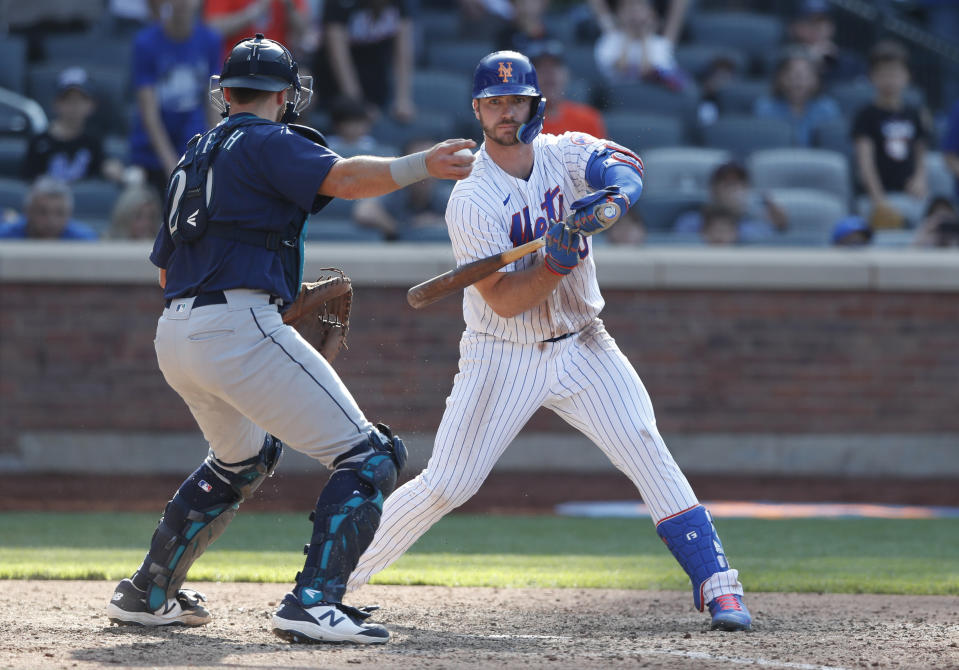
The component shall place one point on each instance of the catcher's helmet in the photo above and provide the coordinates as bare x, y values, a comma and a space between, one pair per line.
263, 65
511, 73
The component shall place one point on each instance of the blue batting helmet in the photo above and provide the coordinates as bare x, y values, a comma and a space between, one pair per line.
505, 73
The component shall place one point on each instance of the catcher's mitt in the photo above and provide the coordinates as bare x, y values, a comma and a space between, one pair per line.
321, 312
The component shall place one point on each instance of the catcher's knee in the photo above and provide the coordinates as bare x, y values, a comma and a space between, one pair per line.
348, 513
198, 514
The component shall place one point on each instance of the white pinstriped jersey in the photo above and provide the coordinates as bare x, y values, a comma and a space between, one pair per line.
491, 211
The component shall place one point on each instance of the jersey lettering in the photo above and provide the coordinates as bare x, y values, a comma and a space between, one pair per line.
232, 139
523, 229
206, 145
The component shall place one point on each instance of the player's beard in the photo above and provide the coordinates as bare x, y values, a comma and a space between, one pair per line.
504, 138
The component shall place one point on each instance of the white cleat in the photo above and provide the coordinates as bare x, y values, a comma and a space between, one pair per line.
129, 606
325, 622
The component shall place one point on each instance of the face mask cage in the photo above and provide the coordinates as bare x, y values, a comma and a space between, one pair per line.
299, 97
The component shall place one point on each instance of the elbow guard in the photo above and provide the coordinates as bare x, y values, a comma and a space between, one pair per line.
615, 165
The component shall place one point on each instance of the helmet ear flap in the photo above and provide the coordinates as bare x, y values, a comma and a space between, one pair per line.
529, 130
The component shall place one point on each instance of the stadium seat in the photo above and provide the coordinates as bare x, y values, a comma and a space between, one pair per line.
94, 198
757, 34
801, 168
459, 57
660, 210
695, 58
426, 123
582, 62
12, 193
444, 92
853, 96
108, 81
87, 49
653, 99
834, 136
739, 97
12, 152
644, 131
742, 134
941, 181
812, 213
13, 55
340, 230
680, 170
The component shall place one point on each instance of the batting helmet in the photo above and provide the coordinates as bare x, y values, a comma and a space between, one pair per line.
511, 73
264, 65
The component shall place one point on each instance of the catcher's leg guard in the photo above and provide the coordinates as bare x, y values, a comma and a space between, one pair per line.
692, 539
347, 515
197, 515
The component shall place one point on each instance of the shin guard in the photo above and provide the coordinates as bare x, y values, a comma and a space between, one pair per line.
692, 539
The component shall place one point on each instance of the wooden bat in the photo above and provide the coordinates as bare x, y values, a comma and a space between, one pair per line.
459, 278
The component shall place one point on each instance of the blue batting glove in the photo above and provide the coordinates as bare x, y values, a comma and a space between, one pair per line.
584, 210
562, 249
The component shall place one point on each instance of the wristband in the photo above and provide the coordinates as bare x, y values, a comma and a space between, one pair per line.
409, 169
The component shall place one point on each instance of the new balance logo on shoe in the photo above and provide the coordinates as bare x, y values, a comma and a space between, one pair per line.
331, 614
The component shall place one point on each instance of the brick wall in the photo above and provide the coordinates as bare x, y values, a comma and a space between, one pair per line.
729, 361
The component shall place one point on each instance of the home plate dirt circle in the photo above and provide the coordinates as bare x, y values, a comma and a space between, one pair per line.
61, 624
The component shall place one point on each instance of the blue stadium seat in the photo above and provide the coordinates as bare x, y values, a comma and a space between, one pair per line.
12, 152
13, 55
444, 92
680, 170
87, 49
459, 57
12, 193
819, 169
426, 123
742, 134
660, 211
811, 213
695, 58
644, 131
739, 97
756, 34
653, 99
834, 136
941, 181
94, 198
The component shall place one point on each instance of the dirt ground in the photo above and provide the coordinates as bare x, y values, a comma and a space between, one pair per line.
62, 625
57, 624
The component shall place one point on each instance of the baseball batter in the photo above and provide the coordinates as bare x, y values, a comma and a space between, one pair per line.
230, 256
533, 337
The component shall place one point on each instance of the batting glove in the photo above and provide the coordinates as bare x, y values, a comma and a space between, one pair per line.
562, 249
584, 210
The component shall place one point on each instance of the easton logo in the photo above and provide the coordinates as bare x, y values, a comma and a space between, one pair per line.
192, 218
505, 71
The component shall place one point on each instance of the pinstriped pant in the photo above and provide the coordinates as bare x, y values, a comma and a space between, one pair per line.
585, 379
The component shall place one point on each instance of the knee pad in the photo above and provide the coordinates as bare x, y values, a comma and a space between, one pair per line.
347, 515
693, 541
197, 515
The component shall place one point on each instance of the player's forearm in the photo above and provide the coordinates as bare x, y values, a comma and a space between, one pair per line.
359, 177
510, 294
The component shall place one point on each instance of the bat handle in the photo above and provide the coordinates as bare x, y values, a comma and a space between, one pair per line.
607, 213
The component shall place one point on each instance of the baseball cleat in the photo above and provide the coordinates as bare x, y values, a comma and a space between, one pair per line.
129, 606
325, 622
729, 613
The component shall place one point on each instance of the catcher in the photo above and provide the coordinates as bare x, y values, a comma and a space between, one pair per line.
230, 257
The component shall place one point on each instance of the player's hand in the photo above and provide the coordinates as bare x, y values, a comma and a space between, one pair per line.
450, 159
584, 210
562, 249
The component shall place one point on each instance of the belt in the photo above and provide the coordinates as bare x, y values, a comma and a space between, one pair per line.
558, 337
204, 299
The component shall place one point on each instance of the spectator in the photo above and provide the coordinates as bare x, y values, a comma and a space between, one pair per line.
137, 214
47, 215
420, 205
851, 231
719, 227
813, 29
890, 142
68, 150
630, 50
797, 98
369, 54
939, 226
630, 230
712, 80
173, 60
235, 20
562, 115
674, 11
484, 19
527, 26
950, 145
757, 216
350, 129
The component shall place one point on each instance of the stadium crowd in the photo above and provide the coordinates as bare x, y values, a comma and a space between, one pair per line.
790, 123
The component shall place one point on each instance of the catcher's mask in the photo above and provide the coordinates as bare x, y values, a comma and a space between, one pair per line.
511, 73
263, 65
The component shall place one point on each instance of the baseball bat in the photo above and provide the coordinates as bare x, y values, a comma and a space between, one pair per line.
459, 278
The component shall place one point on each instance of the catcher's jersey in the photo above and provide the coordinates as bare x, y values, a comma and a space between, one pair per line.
491, 211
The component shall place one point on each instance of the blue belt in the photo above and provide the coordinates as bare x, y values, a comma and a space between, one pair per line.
204, 299
558, 337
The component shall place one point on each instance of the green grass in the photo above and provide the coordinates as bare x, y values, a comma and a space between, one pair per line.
837, 556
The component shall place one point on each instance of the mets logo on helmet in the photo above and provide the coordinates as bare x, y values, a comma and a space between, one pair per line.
505, 71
